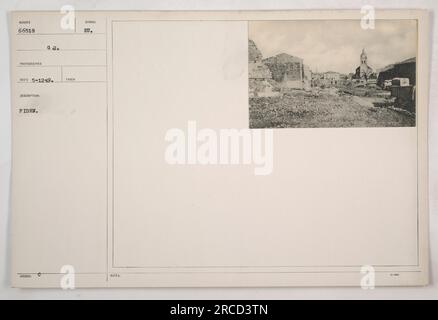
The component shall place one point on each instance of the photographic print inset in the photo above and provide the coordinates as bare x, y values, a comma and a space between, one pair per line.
322, 74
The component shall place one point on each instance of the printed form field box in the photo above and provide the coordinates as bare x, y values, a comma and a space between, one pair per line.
84, 74
63, 58
55, 23
38, 74
68, 42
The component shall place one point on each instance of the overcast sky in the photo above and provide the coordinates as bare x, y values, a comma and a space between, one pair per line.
336, 45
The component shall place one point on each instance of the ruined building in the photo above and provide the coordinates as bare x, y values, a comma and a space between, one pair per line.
260, 78
286, 69
307, 77
289, 71
268, 77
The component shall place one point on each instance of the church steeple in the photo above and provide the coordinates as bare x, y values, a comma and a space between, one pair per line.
363, 57
364, 71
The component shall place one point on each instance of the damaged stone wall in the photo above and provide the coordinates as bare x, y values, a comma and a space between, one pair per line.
270, 76
287, 70
307, 78
260, 77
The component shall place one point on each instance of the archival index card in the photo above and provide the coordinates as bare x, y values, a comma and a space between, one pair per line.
219, 149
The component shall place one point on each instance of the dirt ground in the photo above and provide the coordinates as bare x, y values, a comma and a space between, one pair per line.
323, 109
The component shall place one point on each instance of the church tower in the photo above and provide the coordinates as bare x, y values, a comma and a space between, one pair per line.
363, 71
363, 57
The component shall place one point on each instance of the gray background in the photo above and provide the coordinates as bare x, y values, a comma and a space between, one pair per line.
6, 292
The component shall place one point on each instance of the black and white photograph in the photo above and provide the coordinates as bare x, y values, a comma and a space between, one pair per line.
332, 73
219, 156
